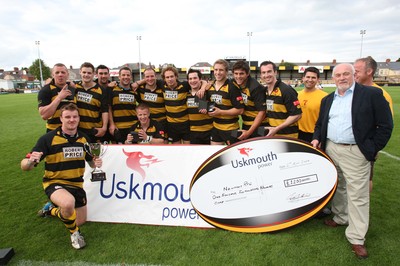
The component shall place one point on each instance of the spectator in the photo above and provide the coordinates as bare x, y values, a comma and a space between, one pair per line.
354, 123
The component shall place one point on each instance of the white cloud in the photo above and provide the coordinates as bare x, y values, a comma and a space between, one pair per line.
185, 32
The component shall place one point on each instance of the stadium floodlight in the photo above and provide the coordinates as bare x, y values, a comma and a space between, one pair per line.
139, 38
249, 34
362, 32
40, 64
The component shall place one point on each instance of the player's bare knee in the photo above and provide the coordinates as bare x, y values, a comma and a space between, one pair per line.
67, 207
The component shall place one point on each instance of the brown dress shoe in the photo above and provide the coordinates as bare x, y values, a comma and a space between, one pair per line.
360, 251
331, 223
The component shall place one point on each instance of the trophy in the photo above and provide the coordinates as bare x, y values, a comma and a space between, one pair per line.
96, 150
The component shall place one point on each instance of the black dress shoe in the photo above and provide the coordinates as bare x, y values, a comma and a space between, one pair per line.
323, 213
360, 251
331, 223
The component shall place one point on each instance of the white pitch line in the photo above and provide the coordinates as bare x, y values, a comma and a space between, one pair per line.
390, 155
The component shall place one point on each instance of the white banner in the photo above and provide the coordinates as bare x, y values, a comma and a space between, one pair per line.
302, 68
203, 70
147, 184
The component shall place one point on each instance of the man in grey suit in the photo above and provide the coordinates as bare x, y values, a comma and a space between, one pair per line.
354, 124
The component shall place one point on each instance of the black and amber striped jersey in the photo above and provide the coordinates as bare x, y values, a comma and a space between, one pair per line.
123, 104
45, 96
91, 104
198, 122
64, 158
107, 90
253, 95
282, 103
227, 97
154, 130
175, 102
153, 99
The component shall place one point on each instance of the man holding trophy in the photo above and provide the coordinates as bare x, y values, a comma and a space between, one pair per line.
63, 150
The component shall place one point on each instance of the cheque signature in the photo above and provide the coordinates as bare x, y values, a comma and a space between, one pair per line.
294, 164
298, 196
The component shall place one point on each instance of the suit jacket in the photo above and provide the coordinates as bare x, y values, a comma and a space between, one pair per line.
372, 120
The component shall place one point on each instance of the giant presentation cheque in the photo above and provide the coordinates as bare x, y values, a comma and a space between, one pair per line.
263, 185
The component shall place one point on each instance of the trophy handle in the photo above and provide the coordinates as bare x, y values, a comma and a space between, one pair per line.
86, 146
104, 148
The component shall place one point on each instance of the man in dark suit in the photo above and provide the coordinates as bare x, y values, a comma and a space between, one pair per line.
354, 124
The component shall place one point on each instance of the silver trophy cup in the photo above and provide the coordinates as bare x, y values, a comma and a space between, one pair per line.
96, 150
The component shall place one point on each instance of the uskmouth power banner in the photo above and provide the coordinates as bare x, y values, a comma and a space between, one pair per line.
147, 184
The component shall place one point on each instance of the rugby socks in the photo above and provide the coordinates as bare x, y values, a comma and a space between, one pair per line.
69, 222
54, 212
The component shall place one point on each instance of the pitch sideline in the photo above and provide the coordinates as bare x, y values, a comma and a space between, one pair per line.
390, 155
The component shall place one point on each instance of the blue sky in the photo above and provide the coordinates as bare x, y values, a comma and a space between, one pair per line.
186, 32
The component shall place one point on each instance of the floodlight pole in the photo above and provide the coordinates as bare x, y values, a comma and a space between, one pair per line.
362, 32
249, 34
40, 64
139, 38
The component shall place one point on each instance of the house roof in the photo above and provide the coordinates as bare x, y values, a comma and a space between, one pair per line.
389, 65
202, 64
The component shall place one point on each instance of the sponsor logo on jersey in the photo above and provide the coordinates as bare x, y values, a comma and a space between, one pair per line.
84, 97
244, 96
73, 152
192, 103
216, 98
171, 95
126, 98
150, 97
270, 105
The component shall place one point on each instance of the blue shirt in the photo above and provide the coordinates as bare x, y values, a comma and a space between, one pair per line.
340, 127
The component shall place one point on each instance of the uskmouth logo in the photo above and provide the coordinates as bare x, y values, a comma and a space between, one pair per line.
245, 151
137, 160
